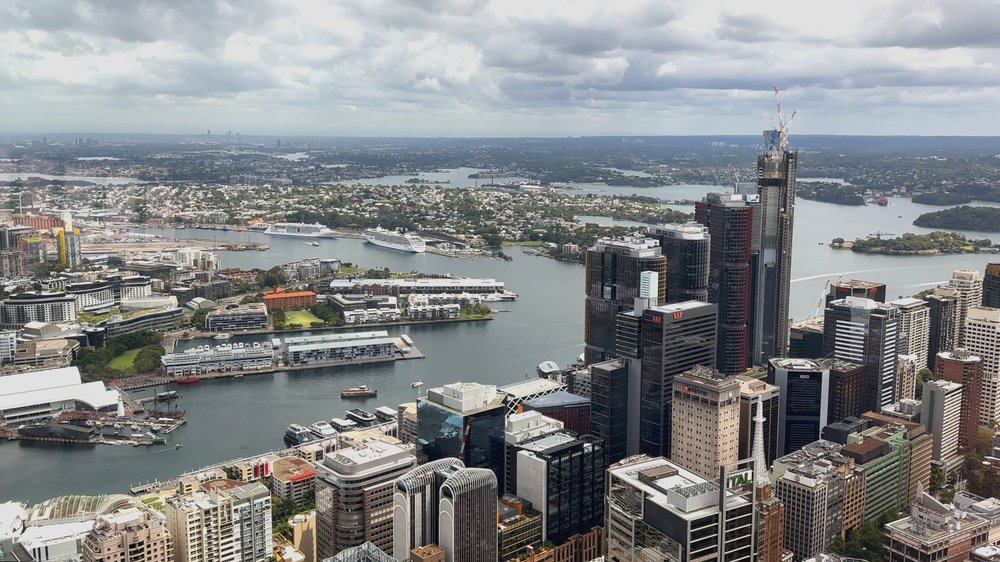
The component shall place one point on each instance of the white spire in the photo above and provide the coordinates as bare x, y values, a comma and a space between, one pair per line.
760, 475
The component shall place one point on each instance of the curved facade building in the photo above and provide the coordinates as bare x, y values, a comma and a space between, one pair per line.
467, 522
416, 505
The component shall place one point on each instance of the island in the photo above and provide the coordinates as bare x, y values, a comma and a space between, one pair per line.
827, 192
911, 244
983, 219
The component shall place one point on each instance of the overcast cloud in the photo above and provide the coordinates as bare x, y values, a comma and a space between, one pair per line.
504, 67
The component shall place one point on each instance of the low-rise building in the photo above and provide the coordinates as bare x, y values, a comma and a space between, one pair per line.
218, 359
52, 353
293, 479
372, 316
280, 299
326, 349
42, 394
434, 312
934, 531
235, 318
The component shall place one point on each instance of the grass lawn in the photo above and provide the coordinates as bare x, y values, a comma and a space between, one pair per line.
345, 271
473, 316
301, 317
124, 361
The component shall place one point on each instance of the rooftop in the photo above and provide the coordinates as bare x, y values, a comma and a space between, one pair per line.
795, 364
686, 231
557, 399
249, 308
531, 387
856, 284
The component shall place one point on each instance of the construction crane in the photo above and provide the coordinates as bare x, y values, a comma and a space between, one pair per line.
820, 304
783, 124
879, 234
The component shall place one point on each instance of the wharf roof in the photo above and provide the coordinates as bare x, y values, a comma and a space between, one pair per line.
559, 398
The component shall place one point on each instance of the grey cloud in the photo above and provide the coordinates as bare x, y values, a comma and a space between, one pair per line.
936, 24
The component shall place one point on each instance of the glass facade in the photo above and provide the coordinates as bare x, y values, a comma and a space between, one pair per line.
575, 478
609, 407
476, 438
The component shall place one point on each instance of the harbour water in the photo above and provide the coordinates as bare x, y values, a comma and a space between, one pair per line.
231, 418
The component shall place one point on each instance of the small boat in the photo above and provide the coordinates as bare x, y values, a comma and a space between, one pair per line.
322, 430
188, 380
237, 376
314, 243
361, 417
222, 337
416, 384
178, 446
359, 392
167, 396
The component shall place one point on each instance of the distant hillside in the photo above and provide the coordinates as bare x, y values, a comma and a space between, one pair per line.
984, 219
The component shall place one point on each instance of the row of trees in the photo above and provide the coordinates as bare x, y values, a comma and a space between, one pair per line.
909, 243
983, 219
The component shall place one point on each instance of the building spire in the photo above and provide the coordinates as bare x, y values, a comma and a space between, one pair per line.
760, 475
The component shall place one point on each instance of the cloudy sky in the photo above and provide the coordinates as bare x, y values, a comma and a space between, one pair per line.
503, 67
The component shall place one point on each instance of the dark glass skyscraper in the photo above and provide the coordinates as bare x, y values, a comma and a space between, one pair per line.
675, 338
609, 407
944, 316
776, 169
805, 391
612, 280
730, 222
686, 247
991, 286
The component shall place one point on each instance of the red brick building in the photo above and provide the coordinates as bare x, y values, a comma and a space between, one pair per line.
281, 300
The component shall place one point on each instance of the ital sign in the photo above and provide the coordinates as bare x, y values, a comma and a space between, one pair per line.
739, 479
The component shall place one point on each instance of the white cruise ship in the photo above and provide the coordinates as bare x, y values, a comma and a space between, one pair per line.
298, 229
395, 240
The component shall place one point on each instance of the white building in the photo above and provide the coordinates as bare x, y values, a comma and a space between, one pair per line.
969, 284
57, 542
18, 310
92, 296
8, 346
197, 259
136, 287
982, 338
914, 327
941, 413
42, 394
252, 527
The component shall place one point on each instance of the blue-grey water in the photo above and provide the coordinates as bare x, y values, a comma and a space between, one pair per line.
238, 417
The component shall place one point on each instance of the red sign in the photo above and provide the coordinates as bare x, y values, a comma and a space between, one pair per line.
678, 315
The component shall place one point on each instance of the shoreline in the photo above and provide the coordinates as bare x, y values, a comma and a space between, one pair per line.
201, 335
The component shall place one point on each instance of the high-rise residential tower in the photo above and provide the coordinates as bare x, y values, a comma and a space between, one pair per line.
961, 367
982, 336
706, 413
354, 496
969, 284
129, 535
866, 332
675, 338
729, 219
611, 282
686, 247
776, 168
941, 413
943, 333
914, 328
991, 286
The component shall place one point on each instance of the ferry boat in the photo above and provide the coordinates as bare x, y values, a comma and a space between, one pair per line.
322, 430
361, 417
297, 435
342, 425
167, 396
359, 392
314, 230
395, 240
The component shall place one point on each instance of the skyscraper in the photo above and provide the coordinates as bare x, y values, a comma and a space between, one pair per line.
417, 505
686, 247
982, 334
756, 393
730, 221
991, 286
609, 407
943, 336
843, 288
805, 339
914, 328
706, 412
467, 529
611, 282
675, 338
961, 367
776, 168
969, 284
464, 421
847, 389
354, 496
228, 523
866, 332
805, 396
941, 412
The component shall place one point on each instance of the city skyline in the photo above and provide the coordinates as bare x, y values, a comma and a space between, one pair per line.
456, 68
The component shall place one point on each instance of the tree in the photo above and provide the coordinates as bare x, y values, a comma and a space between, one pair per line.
984, 441
937, 479
923, 375
148, 359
